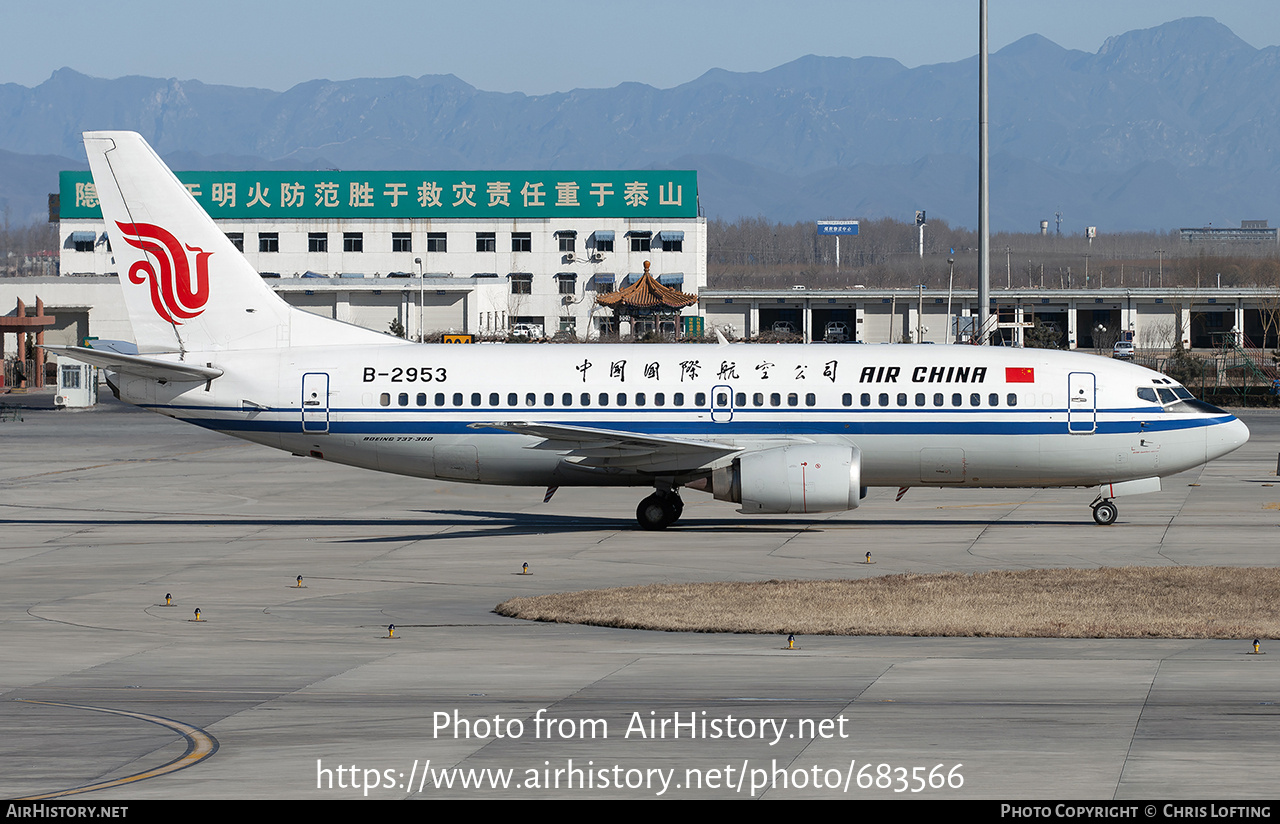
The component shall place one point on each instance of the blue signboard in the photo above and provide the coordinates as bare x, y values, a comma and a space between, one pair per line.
837, 227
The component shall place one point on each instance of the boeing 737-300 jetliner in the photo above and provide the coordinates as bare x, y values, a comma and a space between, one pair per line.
777, 429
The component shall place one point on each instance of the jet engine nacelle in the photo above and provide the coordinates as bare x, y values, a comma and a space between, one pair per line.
790, 479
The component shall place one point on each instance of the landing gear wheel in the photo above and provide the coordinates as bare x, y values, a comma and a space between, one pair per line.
1105, 513
659, 511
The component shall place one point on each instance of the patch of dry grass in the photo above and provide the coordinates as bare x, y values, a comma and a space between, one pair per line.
1124, 602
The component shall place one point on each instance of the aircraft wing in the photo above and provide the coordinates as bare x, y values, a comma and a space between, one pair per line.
138, 364
618, 448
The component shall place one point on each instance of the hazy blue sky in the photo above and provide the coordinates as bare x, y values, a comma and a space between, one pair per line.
554, 45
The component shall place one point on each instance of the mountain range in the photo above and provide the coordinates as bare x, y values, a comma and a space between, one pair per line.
1164, 127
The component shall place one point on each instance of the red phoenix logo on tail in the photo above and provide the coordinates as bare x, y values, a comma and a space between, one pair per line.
176, 295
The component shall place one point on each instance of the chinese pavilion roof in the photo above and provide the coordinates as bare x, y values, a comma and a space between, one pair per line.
647, 293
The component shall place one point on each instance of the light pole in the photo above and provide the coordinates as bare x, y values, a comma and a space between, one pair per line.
1160, 252
951, 273
422, 298
920, 316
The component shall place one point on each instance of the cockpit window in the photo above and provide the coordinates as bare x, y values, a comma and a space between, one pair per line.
1176, 399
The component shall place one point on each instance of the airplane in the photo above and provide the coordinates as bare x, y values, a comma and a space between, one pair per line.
776, 429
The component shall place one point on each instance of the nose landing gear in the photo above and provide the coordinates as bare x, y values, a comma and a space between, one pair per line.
660, 510
1104, 512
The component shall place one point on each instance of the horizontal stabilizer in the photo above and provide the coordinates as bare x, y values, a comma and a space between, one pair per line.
138, 365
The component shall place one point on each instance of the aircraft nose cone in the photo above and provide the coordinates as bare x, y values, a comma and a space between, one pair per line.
1225, 438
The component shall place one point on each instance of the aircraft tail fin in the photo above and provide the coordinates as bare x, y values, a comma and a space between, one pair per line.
186, 287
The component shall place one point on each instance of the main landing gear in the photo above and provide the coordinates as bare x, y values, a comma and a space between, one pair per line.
660, 510
1104, 512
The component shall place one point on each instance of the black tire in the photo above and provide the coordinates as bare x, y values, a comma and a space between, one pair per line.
1105, 513
654, 513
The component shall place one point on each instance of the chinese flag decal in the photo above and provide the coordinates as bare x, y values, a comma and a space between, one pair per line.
1019, 374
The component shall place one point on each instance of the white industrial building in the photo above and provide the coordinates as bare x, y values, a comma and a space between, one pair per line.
438, 252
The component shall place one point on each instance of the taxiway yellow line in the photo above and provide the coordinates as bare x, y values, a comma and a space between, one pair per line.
200, 745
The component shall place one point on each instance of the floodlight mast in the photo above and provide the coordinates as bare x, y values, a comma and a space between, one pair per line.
984, 205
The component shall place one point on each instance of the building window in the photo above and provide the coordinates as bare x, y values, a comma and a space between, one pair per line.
237, 240
268, 241
353, 241
438, 242
521, 284
671, 241
568, 323
640, 241
604, 241
486, 241
567, 283
317, 241
83, 245
568, 241
521, 242
401, 242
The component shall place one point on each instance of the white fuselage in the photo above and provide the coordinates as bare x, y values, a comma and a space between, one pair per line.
921, 415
